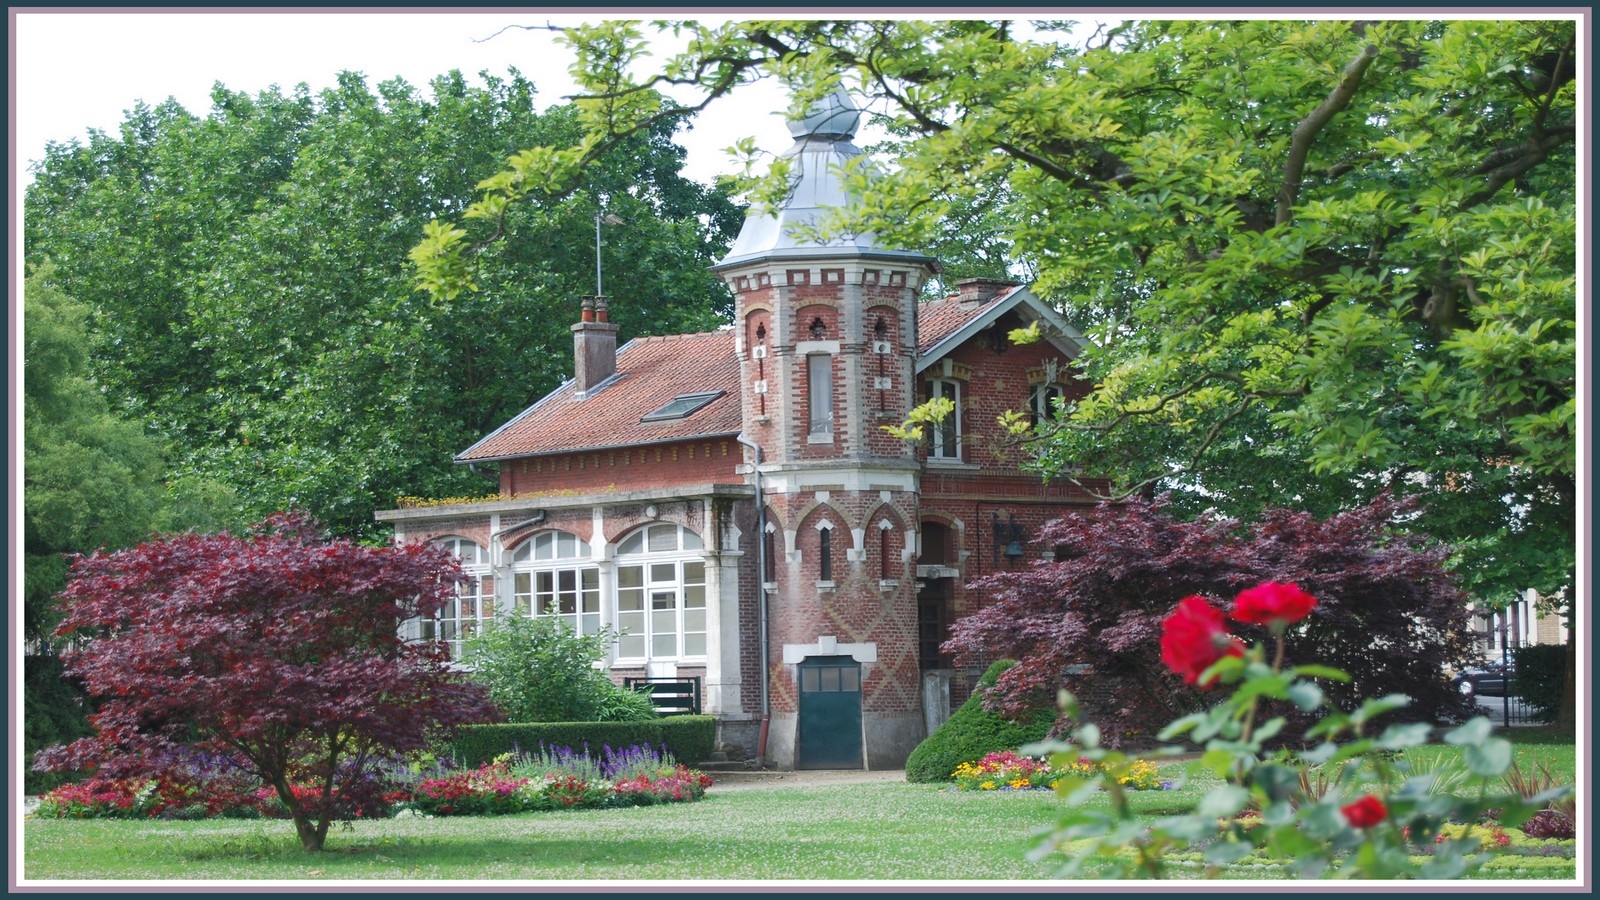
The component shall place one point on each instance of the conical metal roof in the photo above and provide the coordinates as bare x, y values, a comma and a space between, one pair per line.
821, 151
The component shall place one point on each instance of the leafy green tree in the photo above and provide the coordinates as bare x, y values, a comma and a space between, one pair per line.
538, 670
1318, 260
247, 273
91, 479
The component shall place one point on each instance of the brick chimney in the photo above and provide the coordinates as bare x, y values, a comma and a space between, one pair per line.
594, 346
982, 290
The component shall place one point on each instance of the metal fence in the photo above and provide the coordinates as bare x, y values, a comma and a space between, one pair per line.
671, 696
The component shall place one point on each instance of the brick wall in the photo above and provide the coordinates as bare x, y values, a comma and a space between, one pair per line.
602, 471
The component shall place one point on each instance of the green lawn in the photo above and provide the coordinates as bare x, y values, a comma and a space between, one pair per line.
881, 831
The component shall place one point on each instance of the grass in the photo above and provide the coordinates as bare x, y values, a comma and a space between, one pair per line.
879, 831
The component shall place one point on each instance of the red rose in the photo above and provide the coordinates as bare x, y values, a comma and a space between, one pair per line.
1272, 602
1193, 637
1365, 813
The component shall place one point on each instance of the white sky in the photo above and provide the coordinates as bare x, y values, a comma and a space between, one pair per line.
80, 70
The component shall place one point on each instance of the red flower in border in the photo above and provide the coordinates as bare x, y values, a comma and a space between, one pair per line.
1270, 602
1365, 813
1193, 637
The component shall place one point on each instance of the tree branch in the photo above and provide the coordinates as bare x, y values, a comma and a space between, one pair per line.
1306, 131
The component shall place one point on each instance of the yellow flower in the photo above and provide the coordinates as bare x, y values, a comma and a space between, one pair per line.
987, 785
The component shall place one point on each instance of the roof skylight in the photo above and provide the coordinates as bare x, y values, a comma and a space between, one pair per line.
681, 406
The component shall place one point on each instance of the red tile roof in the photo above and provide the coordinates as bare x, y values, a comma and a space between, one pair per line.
938, 319
650, 372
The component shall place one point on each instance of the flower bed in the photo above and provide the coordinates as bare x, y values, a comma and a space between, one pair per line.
553, 779
1007, 771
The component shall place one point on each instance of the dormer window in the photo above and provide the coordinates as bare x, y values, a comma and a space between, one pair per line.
681, 407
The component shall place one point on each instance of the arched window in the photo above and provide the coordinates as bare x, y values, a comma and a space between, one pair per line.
549, 579
661, 594
938, 545
473, 604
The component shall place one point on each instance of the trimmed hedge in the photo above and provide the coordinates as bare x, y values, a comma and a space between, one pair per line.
689, 739
971, 733
1538, 676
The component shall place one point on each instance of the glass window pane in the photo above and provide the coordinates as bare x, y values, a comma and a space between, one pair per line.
694, 572
664, 645
691, 541
633, 543
850, 680
663, 538
694, 596
694, 620
830, 679
629, 600
591, 579
630, 576
663, 600
810, 681
694, 645
591, 624
631, 645
663, 573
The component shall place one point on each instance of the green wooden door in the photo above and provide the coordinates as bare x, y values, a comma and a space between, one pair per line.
830, 713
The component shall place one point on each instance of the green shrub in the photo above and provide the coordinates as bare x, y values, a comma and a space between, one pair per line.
1538, 677
55, 712
973, 732
688, 738
539, 670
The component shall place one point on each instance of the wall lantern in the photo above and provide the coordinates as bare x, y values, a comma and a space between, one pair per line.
818, 329
1009, 536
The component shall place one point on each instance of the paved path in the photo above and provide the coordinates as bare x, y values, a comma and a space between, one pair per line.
766, 780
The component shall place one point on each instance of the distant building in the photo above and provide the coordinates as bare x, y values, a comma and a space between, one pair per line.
730, 502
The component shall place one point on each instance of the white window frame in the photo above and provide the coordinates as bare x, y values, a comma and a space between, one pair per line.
552, 577
473, 604
661, 599
819, 394
944, 439
1040, 407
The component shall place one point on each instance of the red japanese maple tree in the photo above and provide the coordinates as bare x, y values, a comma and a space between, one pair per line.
280, 650
1388, 611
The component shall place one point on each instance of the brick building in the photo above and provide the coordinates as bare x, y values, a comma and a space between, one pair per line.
730, 502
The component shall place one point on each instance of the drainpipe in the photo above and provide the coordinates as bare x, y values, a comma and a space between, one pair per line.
761, 596
538, 516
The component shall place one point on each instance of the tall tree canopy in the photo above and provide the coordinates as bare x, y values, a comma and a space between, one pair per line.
91, 479
246, 273
1318, 260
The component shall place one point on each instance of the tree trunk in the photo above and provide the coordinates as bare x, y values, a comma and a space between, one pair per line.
311, 835
1567, 712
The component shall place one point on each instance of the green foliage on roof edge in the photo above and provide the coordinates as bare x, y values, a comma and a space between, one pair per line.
971, 733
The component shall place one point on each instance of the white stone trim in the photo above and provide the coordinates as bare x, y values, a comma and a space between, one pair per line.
828, 645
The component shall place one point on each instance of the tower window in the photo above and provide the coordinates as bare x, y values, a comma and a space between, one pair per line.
825, 555
819, 391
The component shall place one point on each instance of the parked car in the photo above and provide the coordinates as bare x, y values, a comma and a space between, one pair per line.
1485, 679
